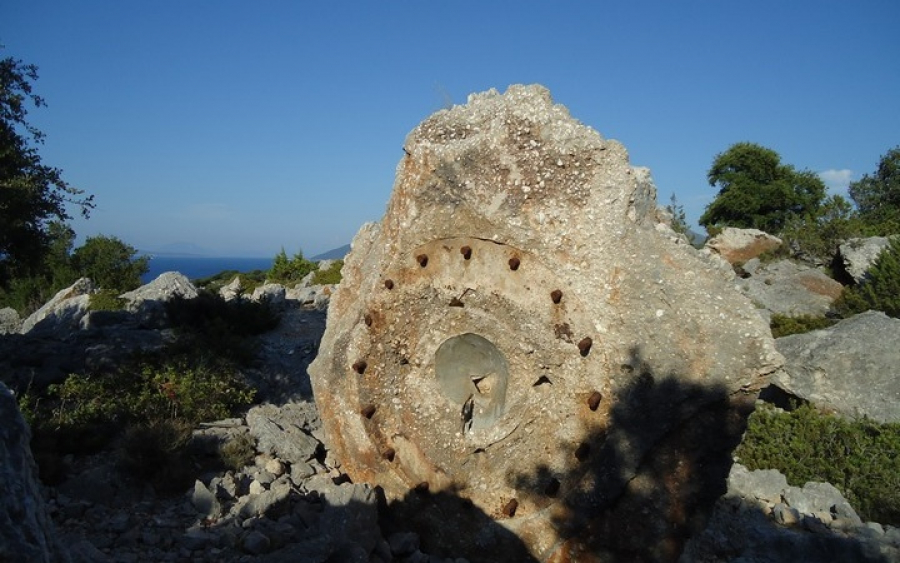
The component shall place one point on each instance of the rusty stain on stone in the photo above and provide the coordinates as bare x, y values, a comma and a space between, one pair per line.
514, 263
389, 284
422, 259
594, 400
556, 296
466, 251
584, 346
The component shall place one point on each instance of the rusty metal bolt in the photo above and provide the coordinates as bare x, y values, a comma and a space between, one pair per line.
360, 366
552, 487
509, 509
584, 346
594, 400
389, 454
556, 296
422, 259
582, 451
514, 263
368, 411
466, 251
389, 284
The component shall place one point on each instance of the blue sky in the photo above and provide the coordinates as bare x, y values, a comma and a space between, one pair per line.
244, 127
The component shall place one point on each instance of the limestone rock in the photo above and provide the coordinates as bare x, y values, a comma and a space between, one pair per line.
813, 523
232, 290
27, 534
286, 431
788, 288
63, 313
271, 292
517, 329
739, 245
148, 301
859, 254
850, 367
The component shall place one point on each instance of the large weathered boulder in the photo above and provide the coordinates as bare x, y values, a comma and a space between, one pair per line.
521, 360
788, 288
64, 312
147, 302
27, 534
850, 368
739, 245
859, 254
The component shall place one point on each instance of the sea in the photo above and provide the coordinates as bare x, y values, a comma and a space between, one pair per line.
195, 267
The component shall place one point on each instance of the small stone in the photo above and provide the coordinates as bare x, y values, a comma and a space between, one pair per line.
403, 543
257, 488
275, 467
786, 515
256, 543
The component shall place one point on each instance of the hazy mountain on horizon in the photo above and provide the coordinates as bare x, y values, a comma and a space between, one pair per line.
334, 254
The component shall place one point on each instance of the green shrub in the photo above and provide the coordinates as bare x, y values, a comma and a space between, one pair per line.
881, 291
110, 263
238, 452
210, 326
783, 325
859, 457
106, 300
290, 271
158, 452
330, 276
191, 393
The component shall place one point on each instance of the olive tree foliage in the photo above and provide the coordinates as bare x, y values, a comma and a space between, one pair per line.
110, 263
758, 191
32, 194
878, 196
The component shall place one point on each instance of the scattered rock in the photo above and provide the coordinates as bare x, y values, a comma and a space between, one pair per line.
27, 533
739, 245
859, 254
788, 288
285, 432
63, 313
848, 368
147, 302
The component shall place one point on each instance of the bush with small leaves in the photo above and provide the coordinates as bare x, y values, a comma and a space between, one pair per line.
880, 291
329, 276
238, 451
783, 325
859, 457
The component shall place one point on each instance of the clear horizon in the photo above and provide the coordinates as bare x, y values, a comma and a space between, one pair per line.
244, 128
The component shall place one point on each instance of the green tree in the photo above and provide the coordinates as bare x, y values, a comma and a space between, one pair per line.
32, 195
878, 196
817, 235
110, 263
679, 217
285, 271
756, 190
